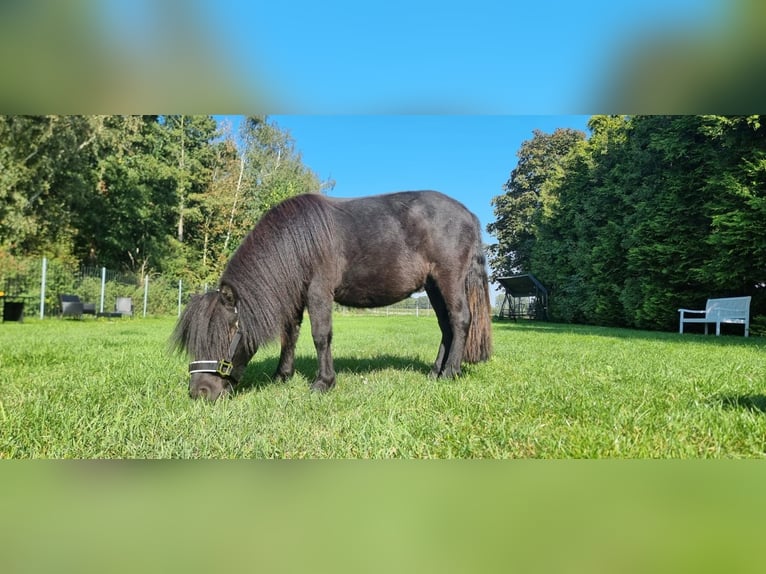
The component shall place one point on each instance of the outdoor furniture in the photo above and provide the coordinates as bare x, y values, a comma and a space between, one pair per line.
124, 306
71, 306
13, 310
13, 297
729, 310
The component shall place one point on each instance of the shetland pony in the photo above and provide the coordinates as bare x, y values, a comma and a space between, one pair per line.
311, 250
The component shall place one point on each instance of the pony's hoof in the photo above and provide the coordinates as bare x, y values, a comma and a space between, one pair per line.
322, 386
450, 373
282, 377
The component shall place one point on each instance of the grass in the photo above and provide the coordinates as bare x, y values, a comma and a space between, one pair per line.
109, 389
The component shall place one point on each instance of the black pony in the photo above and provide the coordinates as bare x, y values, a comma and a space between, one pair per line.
311, 250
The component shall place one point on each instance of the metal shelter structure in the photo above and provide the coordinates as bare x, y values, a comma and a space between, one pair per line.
525, 298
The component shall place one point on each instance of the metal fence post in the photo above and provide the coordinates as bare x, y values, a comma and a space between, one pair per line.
179, 297
103, 286
146, 291
42, 287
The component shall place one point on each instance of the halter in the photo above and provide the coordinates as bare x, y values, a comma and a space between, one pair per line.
223, 368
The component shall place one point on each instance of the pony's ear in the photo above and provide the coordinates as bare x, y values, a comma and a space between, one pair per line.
227, 296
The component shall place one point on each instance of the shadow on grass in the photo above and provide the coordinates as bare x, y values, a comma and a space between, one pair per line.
259, 373
726, 338
755, 403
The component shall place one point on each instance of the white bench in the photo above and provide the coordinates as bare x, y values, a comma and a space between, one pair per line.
732, 310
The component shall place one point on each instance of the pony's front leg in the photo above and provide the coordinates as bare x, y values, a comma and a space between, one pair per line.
286, 367
320, 313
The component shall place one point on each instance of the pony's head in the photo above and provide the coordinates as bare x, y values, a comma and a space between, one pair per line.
209, 331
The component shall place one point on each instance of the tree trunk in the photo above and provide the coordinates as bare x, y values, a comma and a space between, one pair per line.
181, 184
234, 203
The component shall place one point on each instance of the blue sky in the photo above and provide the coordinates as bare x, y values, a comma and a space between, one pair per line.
428, 56
468, 157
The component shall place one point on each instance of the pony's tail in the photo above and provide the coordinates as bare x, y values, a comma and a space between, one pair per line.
478, 345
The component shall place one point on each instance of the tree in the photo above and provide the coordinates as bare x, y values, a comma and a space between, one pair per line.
191, 153
215, 209
517, 210
559, 257
248, 175
46, 167
125, 219
166, 193
146, 172
670, 159
652, 213
272, 171
737, 208
577, 252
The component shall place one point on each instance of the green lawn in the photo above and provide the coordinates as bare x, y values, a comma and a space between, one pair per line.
110, 389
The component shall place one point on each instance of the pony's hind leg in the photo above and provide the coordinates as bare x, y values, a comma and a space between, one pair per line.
286, 367
440, 309
454, 320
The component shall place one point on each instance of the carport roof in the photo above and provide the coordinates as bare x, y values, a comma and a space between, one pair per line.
524, 285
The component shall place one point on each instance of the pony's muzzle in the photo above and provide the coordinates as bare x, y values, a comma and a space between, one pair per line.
210, 379
210, 387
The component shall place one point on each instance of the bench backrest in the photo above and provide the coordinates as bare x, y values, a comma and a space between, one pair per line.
728, 308
69, 299
124, 305
71, 305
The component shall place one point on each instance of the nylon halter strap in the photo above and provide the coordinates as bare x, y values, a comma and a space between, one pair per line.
223, 368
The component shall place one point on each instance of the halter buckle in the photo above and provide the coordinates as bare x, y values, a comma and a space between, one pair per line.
224, 368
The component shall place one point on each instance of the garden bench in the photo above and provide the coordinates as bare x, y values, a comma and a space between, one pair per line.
730, 310
71, 306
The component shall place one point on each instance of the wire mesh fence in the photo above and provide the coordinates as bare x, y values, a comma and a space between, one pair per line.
33, 288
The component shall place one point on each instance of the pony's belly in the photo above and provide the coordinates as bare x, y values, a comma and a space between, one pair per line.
374, 295
366, 299
382, 277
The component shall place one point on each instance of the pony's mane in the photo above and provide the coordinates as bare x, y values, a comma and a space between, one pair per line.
202, 330
271, 269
